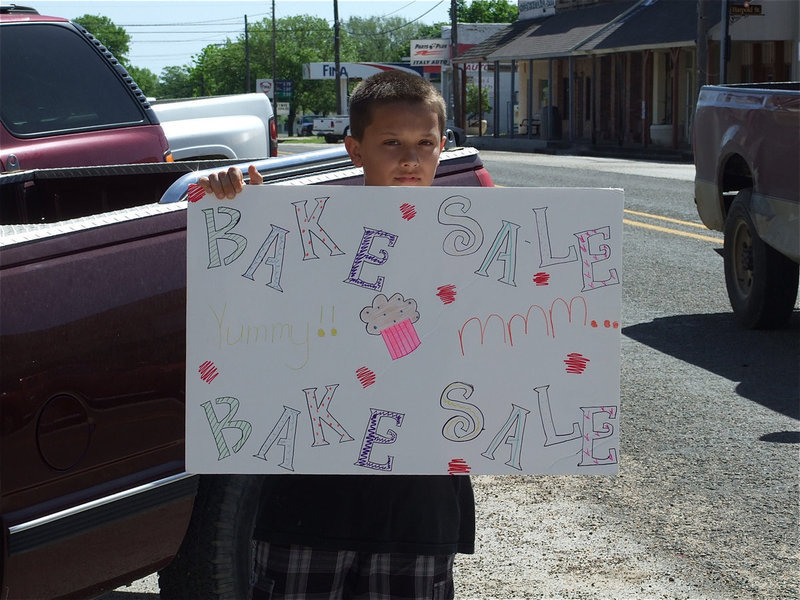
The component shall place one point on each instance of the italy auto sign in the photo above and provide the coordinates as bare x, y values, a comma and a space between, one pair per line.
426, 53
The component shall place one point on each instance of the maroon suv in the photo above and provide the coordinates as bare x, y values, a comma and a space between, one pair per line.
65, 101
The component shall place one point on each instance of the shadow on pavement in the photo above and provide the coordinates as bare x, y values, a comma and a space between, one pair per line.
765, 363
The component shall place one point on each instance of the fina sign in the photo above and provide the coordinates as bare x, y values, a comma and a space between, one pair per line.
265, 86
348, 70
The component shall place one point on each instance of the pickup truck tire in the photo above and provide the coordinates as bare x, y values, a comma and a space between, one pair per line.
215, 557
761, 282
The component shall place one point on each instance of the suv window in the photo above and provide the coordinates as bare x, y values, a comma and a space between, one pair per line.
52, 86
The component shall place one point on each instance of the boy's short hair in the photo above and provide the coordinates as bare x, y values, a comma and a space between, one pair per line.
388, 87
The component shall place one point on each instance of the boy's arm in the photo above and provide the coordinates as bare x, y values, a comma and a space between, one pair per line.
226, 184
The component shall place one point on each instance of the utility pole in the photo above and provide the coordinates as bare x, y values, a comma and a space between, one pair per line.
724, 43
338, 76
274, 52
246, 55
457, 120
702, 47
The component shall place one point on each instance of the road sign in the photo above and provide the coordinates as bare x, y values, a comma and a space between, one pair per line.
265, 86
745, 9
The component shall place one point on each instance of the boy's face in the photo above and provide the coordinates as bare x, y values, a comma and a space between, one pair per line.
400, 146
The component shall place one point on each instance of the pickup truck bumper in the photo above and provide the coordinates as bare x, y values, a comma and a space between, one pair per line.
777, 220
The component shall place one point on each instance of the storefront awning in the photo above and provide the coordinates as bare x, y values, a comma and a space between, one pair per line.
617, 26
561, 34
653, 24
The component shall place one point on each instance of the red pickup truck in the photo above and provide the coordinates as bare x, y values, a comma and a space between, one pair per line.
747, 185
93, 490
65, 101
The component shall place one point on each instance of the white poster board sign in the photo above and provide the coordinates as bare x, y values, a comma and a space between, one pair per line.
339, 329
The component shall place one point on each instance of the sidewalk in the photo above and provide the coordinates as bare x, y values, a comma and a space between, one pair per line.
524, 144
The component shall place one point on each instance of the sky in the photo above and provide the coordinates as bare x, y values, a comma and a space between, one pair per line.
169, 32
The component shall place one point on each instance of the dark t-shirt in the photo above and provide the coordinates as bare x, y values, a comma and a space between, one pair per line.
416, 514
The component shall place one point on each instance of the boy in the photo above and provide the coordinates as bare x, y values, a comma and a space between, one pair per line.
366, 536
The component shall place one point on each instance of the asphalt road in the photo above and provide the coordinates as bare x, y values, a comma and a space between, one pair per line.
706, 502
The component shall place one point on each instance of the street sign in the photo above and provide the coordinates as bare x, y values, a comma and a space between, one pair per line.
746, 9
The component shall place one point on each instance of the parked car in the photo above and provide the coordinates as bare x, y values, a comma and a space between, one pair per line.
333, 129
65, 101
303, 125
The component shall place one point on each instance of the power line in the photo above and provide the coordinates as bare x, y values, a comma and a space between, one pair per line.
387, 31
210, 23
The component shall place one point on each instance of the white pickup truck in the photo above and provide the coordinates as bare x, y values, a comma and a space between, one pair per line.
333, 129
237, 126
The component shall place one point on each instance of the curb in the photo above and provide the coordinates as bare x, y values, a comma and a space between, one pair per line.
537, 145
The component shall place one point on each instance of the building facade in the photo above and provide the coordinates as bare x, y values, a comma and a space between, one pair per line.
627, 72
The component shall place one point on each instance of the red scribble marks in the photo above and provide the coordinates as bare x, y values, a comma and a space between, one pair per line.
608, 324
541, 278
446, 293
208, 371
576, 363
458, 466
409, 211
195, 193
365, 376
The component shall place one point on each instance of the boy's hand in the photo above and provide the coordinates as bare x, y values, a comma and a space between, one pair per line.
226, 184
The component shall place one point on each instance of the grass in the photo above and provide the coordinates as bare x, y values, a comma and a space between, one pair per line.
301, 140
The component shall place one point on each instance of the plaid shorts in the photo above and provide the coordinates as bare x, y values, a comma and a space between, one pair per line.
303, 573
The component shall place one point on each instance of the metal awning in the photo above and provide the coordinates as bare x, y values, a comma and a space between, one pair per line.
617, 26
563, 33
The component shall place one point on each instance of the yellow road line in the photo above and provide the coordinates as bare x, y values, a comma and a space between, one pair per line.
660, 218
705, 238
696, 236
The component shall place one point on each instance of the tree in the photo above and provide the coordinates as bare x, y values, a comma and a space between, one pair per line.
221, 69
301, 39
145, 79
472, 101
486, 11
379, 39
175, 82
116, 39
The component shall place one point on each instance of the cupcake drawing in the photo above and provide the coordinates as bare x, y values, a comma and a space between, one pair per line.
393, 319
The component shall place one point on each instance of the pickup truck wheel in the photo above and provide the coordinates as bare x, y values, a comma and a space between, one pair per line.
761, 282
215, 558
